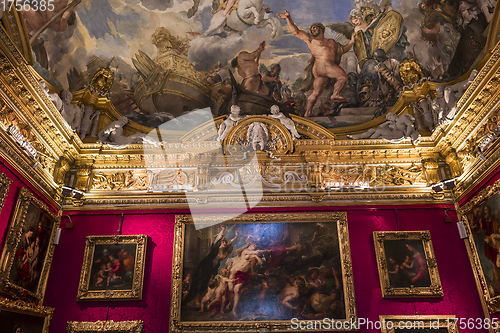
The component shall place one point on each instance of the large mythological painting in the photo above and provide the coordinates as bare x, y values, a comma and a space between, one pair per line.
261, 268
339, 63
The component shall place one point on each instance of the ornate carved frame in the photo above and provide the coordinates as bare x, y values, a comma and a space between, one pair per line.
28, 309
340, 218
4, 188
493, 303
435, 289
425, 322
84, 294
135, 326
14, 237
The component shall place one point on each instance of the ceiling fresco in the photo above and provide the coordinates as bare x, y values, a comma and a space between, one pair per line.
170, 57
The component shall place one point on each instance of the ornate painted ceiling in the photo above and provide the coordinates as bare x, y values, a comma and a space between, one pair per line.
171, 57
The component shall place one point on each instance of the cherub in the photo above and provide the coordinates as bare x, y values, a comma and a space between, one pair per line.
209, 294
101, 275
291, 292
287, 122
230, 122
220, 291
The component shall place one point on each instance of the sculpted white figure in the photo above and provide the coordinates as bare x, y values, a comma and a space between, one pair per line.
394, 130
89, 117
52, 96
113, 135
453, 93
287, 122
439, 106
257, 136
71, 113
426, 113
230, 122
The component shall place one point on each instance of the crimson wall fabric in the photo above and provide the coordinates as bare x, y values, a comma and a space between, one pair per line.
460, 294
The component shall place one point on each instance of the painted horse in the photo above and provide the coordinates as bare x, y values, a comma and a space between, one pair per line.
248, 13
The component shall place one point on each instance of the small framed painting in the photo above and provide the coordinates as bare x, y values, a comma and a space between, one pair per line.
113, 268
406, 264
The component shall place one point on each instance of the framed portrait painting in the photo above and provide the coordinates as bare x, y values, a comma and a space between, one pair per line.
482, 223
419, 324
21, 317
4, 188
113, 268
261, 271
133, 326
406, 264
28, 251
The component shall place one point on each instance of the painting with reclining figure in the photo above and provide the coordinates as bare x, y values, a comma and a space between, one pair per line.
241, 272
181, 63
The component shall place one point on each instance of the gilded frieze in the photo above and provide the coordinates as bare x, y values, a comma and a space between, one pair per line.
194, 161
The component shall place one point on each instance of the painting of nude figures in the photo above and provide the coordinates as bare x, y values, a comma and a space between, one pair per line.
338, 63
406, 264
113, 268
28, 252
483, 212
261, 268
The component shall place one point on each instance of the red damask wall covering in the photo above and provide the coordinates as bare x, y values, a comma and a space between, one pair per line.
460, 294
461, 297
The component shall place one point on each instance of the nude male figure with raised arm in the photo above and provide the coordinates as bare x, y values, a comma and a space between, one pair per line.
327, 54
247, 64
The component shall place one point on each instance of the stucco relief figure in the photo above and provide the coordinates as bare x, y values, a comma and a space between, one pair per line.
439, 106
326, 54
426, 113
394, 130
89, 118
287, 122
71, 113
257, 136
453, 93
52, 96
230, 122
113, 135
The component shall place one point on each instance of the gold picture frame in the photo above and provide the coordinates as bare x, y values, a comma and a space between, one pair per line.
406, 264
113, 268
277, 231
29, 249
436, 323
4, 188
131, 326
481, 224
15, 314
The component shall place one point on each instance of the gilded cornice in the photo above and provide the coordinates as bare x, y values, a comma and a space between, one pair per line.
220, 200
449, 147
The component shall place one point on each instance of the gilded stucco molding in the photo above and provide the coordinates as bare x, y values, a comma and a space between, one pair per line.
87, 161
